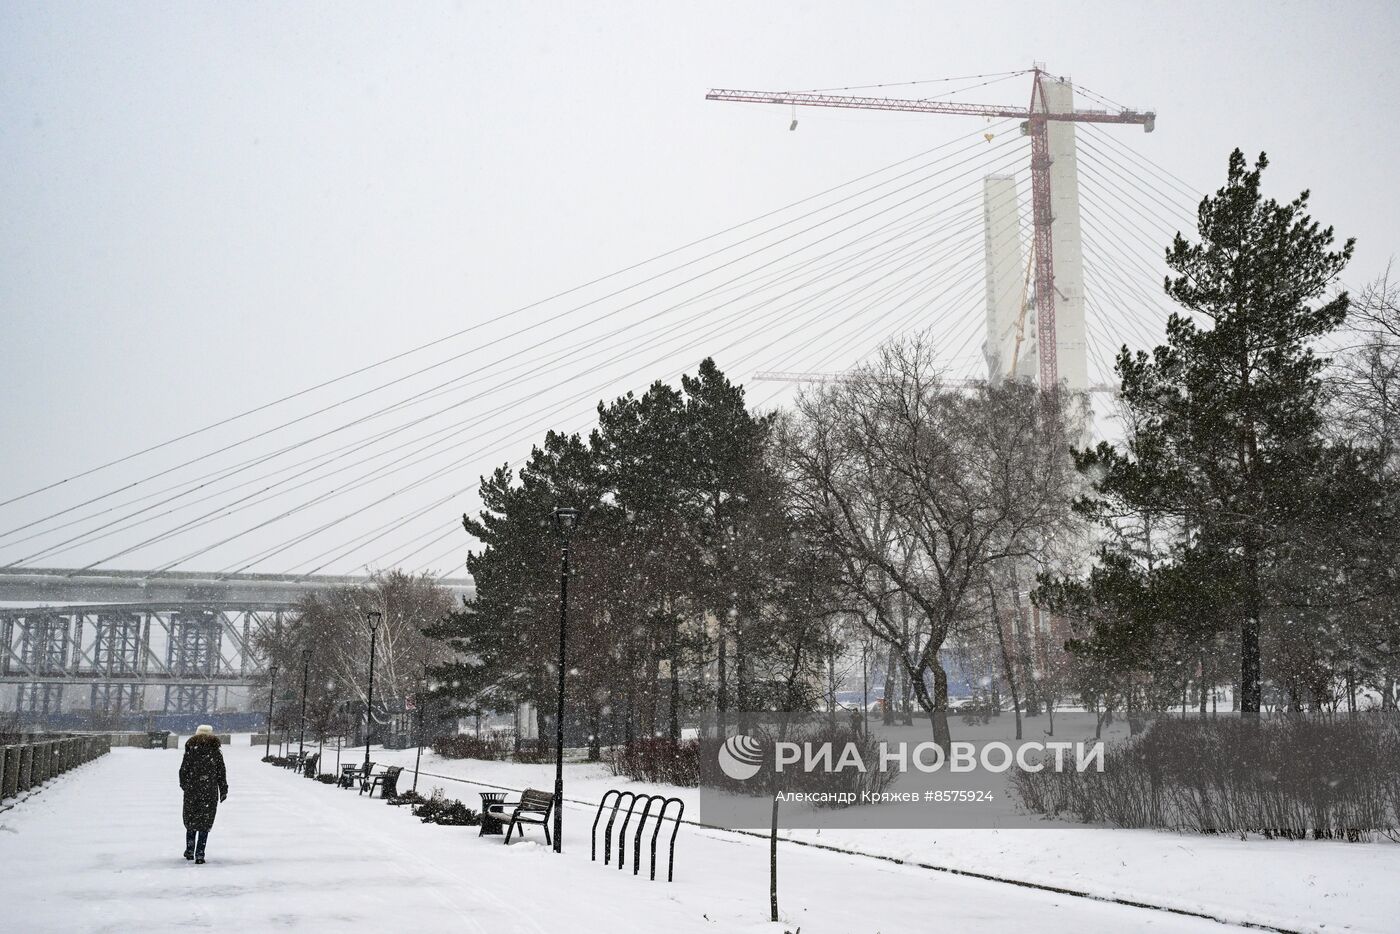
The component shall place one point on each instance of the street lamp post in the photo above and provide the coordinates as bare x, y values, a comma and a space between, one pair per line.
422, 698
322, 733
864, 687
340, 726
373, 618
271, 690
305, 672
564, 518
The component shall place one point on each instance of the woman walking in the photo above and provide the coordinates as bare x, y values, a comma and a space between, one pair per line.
205, 784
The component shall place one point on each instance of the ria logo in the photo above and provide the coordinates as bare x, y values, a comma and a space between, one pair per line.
740, 757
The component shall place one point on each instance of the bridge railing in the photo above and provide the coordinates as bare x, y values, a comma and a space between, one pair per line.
25, 766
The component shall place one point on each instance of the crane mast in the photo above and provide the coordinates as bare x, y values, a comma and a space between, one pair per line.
1036, 118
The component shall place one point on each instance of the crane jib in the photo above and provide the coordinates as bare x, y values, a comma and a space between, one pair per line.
1146, 118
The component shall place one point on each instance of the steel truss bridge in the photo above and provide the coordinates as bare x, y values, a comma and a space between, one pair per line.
122, 642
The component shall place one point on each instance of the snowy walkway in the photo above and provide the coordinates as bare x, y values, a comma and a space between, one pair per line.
99, 850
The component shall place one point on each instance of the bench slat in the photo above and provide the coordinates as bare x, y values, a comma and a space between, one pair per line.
533, 800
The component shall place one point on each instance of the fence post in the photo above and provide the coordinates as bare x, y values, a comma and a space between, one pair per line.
9, 786
26, 766
4, 786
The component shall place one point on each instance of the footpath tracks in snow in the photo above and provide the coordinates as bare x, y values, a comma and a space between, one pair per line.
284, 855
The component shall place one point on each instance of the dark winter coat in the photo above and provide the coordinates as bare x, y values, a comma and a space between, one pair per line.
203, 780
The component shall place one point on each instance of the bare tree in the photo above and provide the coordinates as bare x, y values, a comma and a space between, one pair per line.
1365, 412
919, 488
332, 626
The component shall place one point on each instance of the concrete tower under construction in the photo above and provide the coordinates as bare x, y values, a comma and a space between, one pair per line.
1010, 346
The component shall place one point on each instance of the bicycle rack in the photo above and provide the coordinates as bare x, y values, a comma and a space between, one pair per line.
632, 800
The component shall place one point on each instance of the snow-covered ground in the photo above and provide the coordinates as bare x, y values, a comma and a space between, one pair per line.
1293, 885
99, 850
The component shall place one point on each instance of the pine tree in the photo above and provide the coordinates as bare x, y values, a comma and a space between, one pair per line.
506, 640
1228, 448
683, 519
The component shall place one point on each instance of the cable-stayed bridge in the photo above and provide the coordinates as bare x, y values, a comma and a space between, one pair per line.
1036, 236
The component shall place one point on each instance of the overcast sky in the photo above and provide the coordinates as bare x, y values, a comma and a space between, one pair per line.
206, 207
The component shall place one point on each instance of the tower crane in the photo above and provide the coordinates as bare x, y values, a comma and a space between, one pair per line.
1035, 118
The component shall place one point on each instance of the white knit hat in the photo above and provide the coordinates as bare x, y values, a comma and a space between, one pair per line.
203, 729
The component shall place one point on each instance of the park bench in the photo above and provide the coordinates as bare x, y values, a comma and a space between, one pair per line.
387, 781
533, 807
312, 765
350, 774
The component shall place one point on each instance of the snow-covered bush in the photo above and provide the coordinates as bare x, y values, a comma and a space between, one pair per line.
457, 814
534, 752
1292, 777
659, 761
429, 808
466, 746
438, 809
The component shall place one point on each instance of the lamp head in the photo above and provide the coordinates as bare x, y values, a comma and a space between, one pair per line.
374, 617
565, 518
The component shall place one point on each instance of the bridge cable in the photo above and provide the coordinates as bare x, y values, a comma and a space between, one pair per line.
354, 447
490, 321
540, 324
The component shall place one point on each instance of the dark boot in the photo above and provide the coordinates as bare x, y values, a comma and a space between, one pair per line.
189, 844
201, 839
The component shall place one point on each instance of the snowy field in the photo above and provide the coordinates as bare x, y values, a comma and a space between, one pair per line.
99, 850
